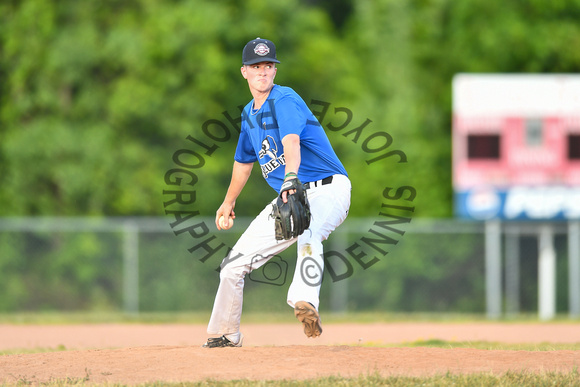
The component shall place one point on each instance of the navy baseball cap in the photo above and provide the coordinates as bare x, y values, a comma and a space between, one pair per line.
259, 50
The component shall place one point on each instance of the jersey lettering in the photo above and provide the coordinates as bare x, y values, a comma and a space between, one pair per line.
272, 165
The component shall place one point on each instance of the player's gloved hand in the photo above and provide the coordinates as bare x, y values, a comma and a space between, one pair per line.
288, 189
291, 218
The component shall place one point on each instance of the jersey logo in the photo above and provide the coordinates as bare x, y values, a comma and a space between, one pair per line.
270, 149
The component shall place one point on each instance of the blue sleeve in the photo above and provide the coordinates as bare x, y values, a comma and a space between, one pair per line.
244, 151
291, 119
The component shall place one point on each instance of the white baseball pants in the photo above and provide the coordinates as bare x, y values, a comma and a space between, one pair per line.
329, 206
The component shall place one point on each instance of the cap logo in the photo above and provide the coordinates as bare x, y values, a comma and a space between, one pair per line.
261, 49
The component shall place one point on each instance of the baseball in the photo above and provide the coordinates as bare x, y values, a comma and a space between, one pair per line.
222, 223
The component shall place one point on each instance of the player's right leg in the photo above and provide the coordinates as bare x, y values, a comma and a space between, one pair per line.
254, 248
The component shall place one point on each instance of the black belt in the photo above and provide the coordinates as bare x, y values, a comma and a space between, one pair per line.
326, 180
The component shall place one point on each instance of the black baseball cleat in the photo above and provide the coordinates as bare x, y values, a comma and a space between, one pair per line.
309, 317
221, 342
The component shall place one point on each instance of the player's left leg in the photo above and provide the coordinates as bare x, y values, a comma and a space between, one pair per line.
329, 206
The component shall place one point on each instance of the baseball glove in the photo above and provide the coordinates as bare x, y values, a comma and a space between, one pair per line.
292, 218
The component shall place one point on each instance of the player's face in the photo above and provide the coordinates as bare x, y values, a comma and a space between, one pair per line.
260, 76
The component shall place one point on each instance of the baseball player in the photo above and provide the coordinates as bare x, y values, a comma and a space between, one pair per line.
280, 133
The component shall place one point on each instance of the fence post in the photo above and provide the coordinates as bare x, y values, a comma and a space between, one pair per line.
546, 274
131, 267
493, 268
574, 268
339, 291
512, 271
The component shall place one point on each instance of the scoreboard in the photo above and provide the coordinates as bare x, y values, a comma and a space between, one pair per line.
516, 146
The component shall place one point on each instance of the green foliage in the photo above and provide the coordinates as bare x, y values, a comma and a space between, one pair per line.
436, 272
97, 96
67, 271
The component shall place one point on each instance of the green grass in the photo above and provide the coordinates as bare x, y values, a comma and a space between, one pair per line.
18, 351
486, 345
60, 318
103, 317
523, 379
508, 379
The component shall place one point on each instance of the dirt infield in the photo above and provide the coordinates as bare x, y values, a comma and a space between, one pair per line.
138, 353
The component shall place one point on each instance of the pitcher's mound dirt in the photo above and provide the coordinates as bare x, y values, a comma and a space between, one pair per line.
133, 354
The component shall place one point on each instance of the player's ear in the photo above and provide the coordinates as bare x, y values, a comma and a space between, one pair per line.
243, 70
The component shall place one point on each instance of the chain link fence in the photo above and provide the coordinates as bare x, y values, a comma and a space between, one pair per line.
158, 264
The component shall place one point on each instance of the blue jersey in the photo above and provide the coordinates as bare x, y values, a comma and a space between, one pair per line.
285, 112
